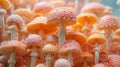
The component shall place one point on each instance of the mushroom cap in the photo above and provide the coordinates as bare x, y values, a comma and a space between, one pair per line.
13, 46
117, 32
4, 59
88, 18
103, 56
65, 15
96, 38
77, 36
30, 2
84, 57
108, 22
50, 49
40, 23
93, 7
99, 65
5, 4
62, 63
42, 7
51, 38
70, 46
115, 49
115, 38
2, 11
17, 3
114, 61
40, 65
77, 26
15, 19
24, 13
58, 3
34, 40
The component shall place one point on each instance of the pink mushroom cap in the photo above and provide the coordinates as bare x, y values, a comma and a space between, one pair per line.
108, 22
62, 14
62, 63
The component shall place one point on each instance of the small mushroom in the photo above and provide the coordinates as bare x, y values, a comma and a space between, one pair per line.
70, 48
15, 23
62, 63
34, 41
50, 50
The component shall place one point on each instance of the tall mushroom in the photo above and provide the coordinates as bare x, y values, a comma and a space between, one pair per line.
96, 39
61, 16
13, 47
15, 23
70, 48
34, 41
108, 23
50, 50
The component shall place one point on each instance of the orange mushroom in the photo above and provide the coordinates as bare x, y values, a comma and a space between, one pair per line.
77, 36
50, 50
97, 39
5, 4
58, 3
117, 32
86, 19
24, 13
39, 26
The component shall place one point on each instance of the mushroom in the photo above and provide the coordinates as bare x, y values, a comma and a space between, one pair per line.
15, 23
13, 48
117, 32
94, 7
16, 3
108, 23
2, 22
62, 63
5, 4
114, 61
61, 16
34, 41
96, 39
49, 50
87, 19
42, 8
77, 36
70, 48
115, 49
29, 3
77, 26
25, 13
58, 3
51, 38
39, 26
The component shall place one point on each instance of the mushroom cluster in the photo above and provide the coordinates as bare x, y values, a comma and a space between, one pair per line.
54, 33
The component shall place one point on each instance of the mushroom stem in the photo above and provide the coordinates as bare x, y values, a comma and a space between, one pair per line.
85, 27
86, 2
48, 60
33, 55
11, 61
97, 50
41, 33
12, 9
85, 64
28, 6
2, 23
108, 43
61, 34
70, 58
76, 5
13, 32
